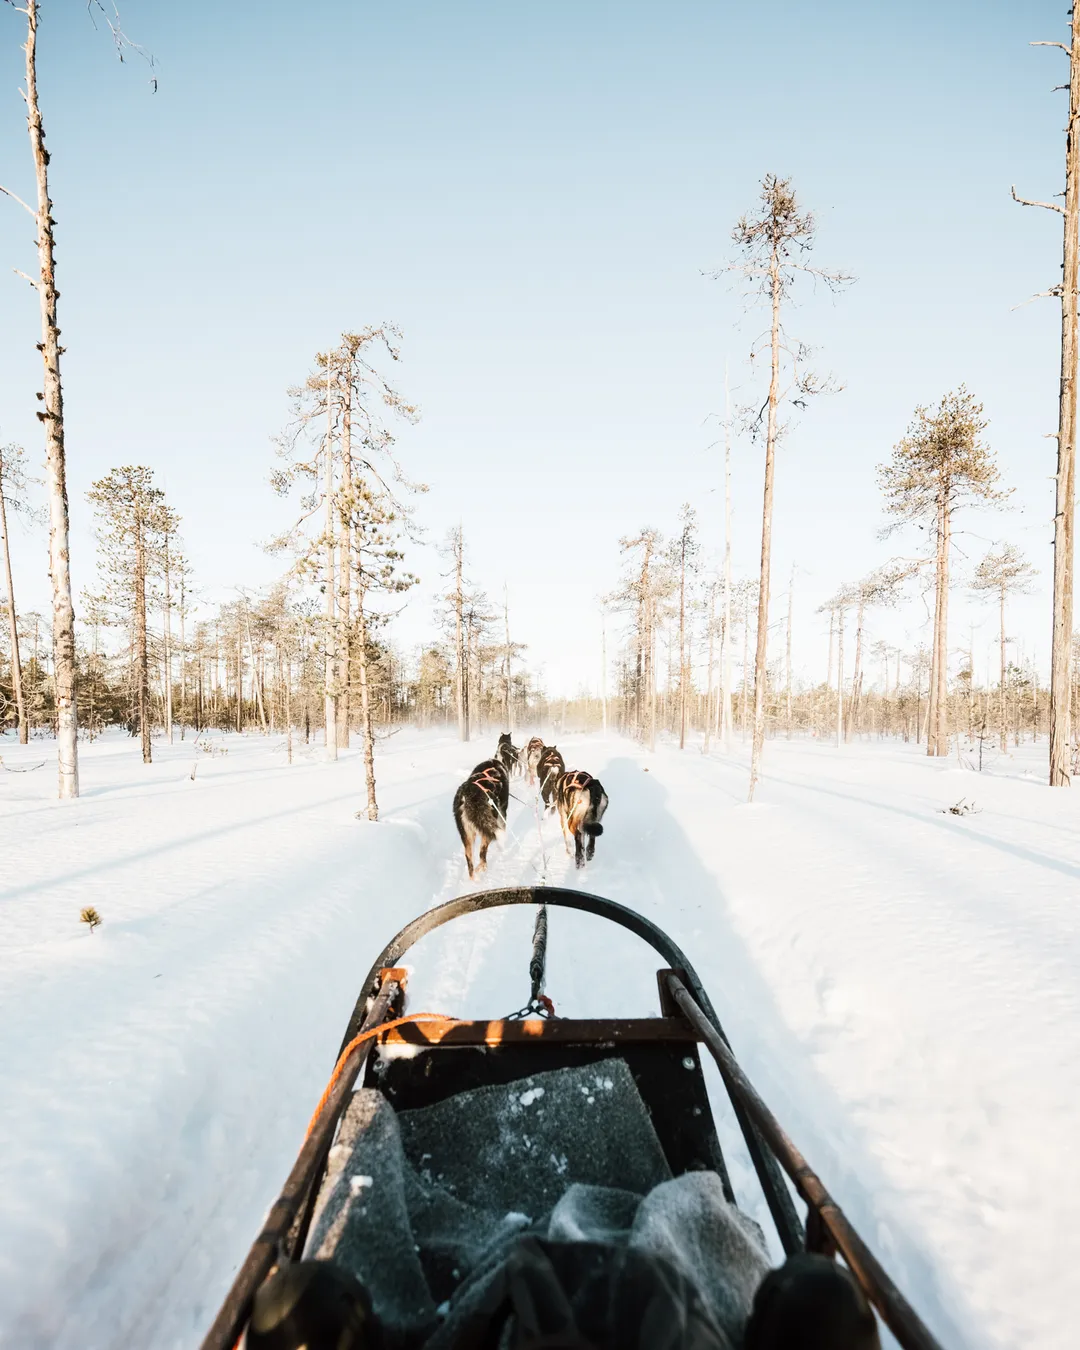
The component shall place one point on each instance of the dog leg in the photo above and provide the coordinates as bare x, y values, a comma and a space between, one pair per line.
483, 854
579, 855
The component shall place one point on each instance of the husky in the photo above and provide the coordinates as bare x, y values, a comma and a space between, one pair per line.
508, 755
582, 802
480, 809
548, 767
531, 758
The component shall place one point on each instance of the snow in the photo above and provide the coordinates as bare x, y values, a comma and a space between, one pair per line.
900, 984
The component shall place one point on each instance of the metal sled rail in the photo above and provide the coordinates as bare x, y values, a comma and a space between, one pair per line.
688, 1014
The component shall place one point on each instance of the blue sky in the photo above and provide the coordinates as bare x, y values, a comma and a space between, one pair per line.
532, 192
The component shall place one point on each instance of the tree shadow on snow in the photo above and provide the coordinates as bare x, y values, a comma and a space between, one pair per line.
651, 865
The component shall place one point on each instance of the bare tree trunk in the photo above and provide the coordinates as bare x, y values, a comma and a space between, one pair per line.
938, 737
13, 627
168, 641
840, 677
142, 663
330, 703
603, 672
856, 678
761, 656
1061, 651
790, 618
365, 707
725, 655
461, 694
650, 674
1004, 727
183, 654
709, 675
239, 676
286, 660
745, 690
256, 681
52, 416
682, 642
507, 673
345, 567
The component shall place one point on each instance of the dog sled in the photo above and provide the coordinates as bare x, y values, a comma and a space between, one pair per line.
452, 1164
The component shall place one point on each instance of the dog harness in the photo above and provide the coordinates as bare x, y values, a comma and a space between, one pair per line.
489, 780
576, 778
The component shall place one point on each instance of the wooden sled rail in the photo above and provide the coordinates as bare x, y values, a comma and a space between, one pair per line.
828, 1230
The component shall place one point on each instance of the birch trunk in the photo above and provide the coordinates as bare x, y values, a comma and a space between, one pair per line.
13, 628
52, 416
761, 656
1065, 495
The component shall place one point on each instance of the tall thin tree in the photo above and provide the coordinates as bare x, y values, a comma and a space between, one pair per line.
1068, 291
771, 242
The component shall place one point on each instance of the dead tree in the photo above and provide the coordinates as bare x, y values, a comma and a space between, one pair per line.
771, 242
1065, 492
52, 418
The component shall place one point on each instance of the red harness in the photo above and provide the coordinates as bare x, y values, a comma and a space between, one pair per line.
577, 778
488, 781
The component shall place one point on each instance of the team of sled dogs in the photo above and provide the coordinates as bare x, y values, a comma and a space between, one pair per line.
480, 803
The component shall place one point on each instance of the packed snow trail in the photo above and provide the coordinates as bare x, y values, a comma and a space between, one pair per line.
899, 983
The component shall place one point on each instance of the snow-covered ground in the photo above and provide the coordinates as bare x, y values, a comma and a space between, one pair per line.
901, 984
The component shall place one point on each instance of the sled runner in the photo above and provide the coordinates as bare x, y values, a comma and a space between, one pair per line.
444, 1152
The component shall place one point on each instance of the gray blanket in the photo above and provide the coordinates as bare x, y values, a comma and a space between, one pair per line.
425, 1206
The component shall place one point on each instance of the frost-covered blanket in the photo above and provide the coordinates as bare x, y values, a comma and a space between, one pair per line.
451, 1213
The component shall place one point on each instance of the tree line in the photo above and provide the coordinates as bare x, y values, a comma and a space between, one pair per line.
353, 519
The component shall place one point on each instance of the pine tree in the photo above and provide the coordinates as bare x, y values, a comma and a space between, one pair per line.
132, 521
940, 466
1003, 572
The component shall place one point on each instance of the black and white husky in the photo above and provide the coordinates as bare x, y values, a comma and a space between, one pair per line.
548, 767
582, 802
480, 809
508, 755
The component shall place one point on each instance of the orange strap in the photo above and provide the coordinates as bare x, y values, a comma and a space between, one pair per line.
368, 1035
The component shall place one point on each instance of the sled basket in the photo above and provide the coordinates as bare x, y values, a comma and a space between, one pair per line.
426, 1071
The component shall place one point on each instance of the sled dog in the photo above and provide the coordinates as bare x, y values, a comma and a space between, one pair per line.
582, 802
508, 755
480, 809
548, 768
531, 756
